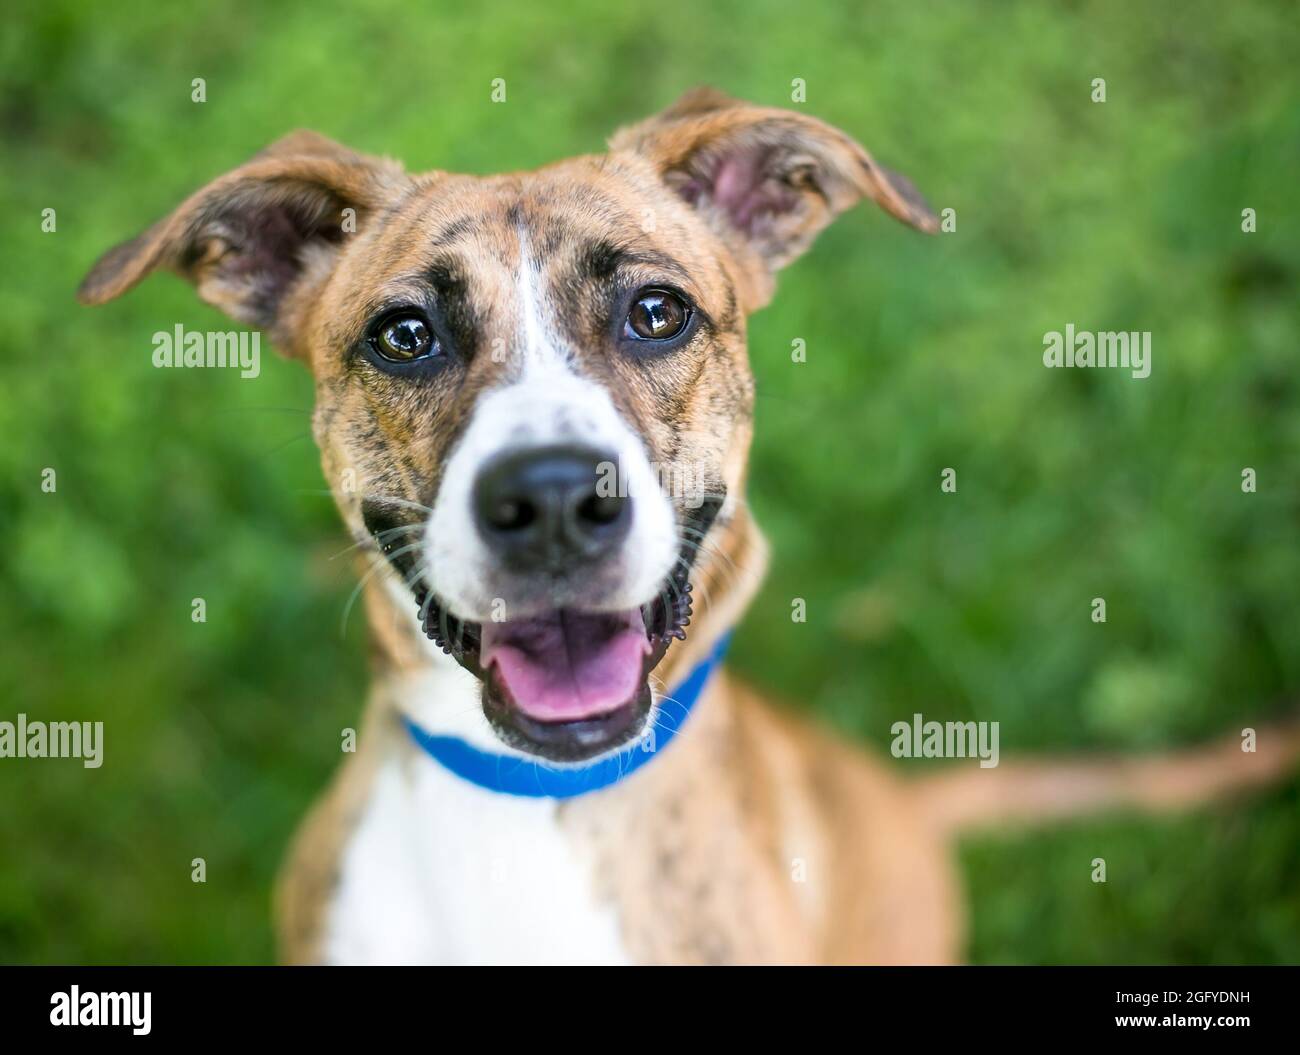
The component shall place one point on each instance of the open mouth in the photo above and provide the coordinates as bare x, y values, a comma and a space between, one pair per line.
566, 684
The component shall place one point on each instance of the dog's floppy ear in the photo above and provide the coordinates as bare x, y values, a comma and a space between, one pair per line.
768, 179
245, 237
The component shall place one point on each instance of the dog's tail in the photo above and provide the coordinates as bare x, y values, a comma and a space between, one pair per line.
1034, 791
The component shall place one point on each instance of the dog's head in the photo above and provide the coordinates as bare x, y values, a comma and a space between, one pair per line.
533, 395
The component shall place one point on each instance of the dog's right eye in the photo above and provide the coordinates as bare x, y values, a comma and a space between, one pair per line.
404, 338
656, 315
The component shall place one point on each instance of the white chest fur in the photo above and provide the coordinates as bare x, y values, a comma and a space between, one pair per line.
441, 871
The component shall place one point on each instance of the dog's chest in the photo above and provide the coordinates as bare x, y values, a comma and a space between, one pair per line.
441, 871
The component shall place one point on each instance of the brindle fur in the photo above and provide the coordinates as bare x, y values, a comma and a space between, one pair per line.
700, 852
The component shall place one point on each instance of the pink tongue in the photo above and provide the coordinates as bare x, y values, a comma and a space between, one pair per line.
567, 665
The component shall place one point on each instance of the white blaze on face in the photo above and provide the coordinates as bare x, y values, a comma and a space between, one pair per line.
545, 402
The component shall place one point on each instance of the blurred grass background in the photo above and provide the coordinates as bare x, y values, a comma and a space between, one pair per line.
922, 354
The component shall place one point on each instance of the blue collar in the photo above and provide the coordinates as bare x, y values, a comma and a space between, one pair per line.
512, 775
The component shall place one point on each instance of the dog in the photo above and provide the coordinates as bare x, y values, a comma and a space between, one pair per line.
554, 767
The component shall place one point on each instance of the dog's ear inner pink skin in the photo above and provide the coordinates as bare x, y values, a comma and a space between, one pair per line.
766, 180
245, 239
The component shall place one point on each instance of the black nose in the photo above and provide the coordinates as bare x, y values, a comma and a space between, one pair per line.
551, 508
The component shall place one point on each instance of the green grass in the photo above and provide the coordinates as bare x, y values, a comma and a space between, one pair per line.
922, 354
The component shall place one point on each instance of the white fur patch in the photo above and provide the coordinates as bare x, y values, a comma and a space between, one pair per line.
545, 402
442, 871
542, 351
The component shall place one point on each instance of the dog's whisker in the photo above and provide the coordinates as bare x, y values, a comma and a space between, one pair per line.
686, 566
693, 536
405, 503
369, 540
721, 497
721, 566
700, 541
726, 565
379, 565
287, 443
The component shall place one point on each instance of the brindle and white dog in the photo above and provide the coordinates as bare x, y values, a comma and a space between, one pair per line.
482, 346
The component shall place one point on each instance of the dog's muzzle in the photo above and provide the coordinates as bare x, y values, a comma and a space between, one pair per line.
564, 682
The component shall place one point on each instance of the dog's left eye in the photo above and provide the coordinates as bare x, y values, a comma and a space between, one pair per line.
403, 338
656, 315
